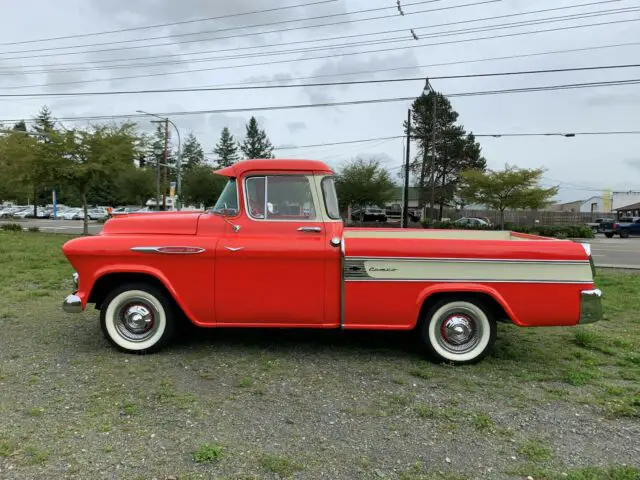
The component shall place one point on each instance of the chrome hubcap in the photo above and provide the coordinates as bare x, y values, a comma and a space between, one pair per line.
459, 331
136, 320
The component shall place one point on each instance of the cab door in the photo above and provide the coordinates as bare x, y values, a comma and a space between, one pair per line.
271, 270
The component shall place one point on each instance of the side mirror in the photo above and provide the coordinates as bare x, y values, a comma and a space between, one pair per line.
227, 212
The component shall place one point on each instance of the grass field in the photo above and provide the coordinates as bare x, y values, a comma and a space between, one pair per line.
550, 403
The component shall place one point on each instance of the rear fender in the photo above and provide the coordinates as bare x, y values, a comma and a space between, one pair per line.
454, 288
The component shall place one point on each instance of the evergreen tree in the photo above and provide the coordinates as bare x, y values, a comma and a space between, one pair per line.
455, 150
192, 153
226, 149
20, 126
256, 144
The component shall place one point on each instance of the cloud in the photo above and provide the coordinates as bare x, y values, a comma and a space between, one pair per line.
632, 162
611, 99
296, 126
406, 61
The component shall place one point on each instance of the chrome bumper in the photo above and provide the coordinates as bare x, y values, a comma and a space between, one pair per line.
72, 304
590, 306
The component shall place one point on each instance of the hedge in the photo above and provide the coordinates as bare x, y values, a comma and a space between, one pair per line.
11, 227
554, 231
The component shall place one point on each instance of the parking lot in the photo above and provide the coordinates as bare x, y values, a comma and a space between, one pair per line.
56, 226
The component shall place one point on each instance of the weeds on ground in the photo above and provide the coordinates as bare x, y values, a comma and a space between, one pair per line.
283, 466
207, 453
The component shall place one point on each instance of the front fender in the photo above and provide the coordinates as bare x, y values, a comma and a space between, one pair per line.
140, 269
462, 288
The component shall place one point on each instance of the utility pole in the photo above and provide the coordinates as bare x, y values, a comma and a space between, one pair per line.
434, 123
405, 195
166, 162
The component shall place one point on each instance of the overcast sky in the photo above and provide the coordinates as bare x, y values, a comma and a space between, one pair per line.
593, 162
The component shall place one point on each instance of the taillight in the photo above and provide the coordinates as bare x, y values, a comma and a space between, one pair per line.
616, 226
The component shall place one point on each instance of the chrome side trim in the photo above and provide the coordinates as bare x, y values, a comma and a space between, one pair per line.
72, 304
193, 250
590, 306
475, 280
471, 260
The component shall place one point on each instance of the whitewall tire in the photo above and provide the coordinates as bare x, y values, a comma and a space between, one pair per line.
137, 318
459, 331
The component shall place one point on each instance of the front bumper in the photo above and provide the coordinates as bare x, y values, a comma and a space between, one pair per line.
73, 303
590, 306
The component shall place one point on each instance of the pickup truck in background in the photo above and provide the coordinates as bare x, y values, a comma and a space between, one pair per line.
596, 226
625, 227
274, 253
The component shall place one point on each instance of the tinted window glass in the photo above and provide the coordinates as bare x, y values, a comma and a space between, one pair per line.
330, 198
288, 197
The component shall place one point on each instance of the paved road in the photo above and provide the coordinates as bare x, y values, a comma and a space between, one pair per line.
59, 226
616, 251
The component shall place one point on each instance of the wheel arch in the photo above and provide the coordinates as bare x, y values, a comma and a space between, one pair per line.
106, 281
489, 296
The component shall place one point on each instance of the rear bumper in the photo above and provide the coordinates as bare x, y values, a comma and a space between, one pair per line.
590, 306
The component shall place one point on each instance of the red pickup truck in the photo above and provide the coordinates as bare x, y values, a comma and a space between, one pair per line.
274, 252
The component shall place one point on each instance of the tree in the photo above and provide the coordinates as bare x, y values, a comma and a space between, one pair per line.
136, 186
226, 149
20, 126
510, 188
192, 153
256, 144
42, 172
156, 153
202, 187
98, 154
455, 150
363, 182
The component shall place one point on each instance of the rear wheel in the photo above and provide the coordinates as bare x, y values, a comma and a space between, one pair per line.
624, 233
458, 330
138, 318
608, 235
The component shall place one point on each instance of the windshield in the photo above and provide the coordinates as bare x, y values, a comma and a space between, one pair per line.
228, 200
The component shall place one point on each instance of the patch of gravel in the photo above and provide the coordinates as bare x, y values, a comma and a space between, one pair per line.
336, 406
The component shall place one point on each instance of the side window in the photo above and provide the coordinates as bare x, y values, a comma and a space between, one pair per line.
330, 198
280, 197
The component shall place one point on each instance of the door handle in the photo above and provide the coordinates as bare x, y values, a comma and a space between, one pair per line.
310, 229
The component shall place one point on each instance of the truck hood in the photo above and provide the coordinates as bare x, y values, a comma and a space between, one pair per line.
171, 223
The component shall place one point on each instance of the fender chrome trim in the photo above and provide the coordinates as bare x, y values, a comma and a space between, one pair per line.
169, 250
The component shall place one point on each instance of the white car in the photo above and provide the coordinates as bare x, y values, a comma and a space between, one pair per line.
24, 213
97, 213
72, 214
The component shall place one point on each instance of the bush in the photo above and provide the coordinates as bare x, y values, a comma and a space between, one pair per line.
34, 229
11, 227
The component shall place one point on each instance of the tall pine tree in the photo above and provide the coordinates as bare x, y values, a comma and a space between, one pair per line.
256, 144
192, 153
226, 149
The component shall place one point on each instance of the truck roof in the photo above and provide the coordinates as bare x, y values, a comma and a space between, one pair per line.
243, 166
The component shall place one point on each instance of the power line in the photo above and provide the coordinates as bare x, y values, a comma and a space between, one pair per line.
162, 25
359, 102
245, 34
321, 84
394, 49
480, 135
343, 37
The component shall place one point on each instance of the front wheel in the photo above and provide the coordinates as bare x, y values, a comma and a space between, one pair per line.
459, 331
624, 233
608, 235
138, 318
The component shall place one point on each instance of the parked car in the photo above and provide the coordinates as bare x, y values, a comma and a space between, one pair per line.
26, 212
369, 214
11, 211
625, 227
72, 214
122, 210
97, 213
473, 222
241, 265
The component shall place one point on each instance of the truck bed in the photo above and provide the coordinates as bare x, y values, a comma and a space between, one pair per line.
439, 234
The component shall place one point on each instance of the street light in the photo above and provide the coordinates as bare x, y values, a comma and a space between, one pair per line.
179, 169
